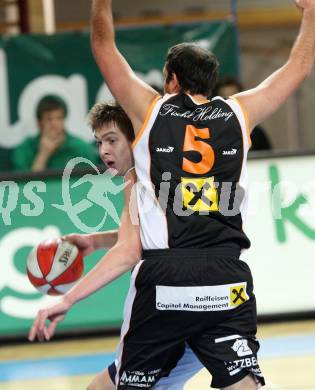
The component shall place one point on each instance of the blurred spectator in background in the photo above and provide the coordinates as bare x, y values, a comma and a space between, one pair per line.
229, 86
53, 147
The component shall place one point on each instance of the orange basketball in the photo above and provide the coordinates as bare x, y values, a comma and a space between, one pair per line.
54, 266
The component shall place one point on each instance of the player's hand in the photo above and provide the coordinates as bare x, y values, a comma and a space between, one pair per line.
55, 314
84, 242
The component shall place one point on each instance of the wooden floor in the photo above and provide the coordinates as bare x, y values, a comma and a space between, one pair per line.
292, 372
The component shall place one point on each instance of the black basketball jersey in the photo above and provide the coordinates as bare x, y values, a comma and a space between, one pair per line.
190, 160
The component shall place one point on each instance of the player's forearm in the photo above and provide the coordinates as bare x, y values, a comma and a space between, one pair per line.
102, 27
120, 259
104, 240
303, 51
301, 59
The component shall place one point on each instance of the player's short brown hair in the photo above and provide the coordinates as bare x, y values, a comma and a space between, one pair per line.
104, 113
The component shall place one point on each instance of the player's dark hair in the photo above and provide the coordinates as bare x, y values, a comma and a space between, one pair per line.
50, 103
196, 69
103, 113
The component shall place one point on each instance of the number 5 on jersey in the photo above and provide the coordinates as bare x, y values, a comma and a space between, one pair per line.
193, 144
199, 194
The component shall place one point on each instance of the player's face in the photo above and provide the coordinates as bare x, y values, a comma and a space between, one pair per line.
52, 122
114, 148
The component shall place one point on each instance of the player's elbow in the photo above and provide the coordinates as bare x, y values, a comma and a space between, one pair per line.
130, 250
96, 44
134, 255
102, 51
303, 66
308, 70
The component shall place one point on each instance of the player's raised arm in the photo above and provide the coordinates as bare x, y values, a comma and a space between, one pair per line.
120, 259
134, 95
266, 98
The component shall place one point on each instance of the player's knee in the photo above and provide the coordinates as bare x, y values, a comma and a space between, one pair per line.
92, 386
247, 383
95, 386
102, 381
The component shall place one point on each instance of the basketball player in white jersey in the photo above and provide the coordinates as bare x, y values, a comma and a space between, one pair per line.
114, 135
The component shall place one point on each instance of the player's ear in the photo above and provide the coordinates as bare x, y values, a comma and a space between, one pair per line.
174, 84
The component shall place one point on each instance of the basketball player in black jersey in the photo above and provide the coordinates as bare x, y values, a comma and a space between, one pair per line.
190, 158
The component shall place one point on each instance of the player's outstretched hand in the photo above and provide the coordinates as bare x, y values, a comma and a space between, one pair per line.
55, 314
84, 242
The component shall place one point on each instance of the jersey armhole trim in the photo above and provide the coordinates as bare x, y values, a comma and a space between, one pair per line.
127, 173
147, 117
245, 117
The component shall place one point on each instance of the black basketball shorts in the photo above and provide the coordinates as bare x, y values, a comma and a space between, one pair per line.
200, 297
186, 367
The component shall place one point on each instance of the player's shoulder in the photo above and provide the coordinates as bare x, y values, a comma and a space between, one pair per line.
221, 100
230, 101
168, 97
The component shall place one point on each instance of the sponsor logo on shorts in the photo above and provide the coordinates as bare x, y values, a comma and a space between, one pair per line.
238, 365
247, 359
200, 298
139, 379
241, 348
238, 294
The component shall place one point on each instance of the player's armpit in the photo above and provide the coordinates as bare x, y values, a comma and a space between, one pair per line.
264, 100
134, 95
267, 97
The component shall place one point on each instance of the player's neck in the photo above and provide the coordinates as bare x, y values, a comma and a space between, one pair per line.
198, 99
